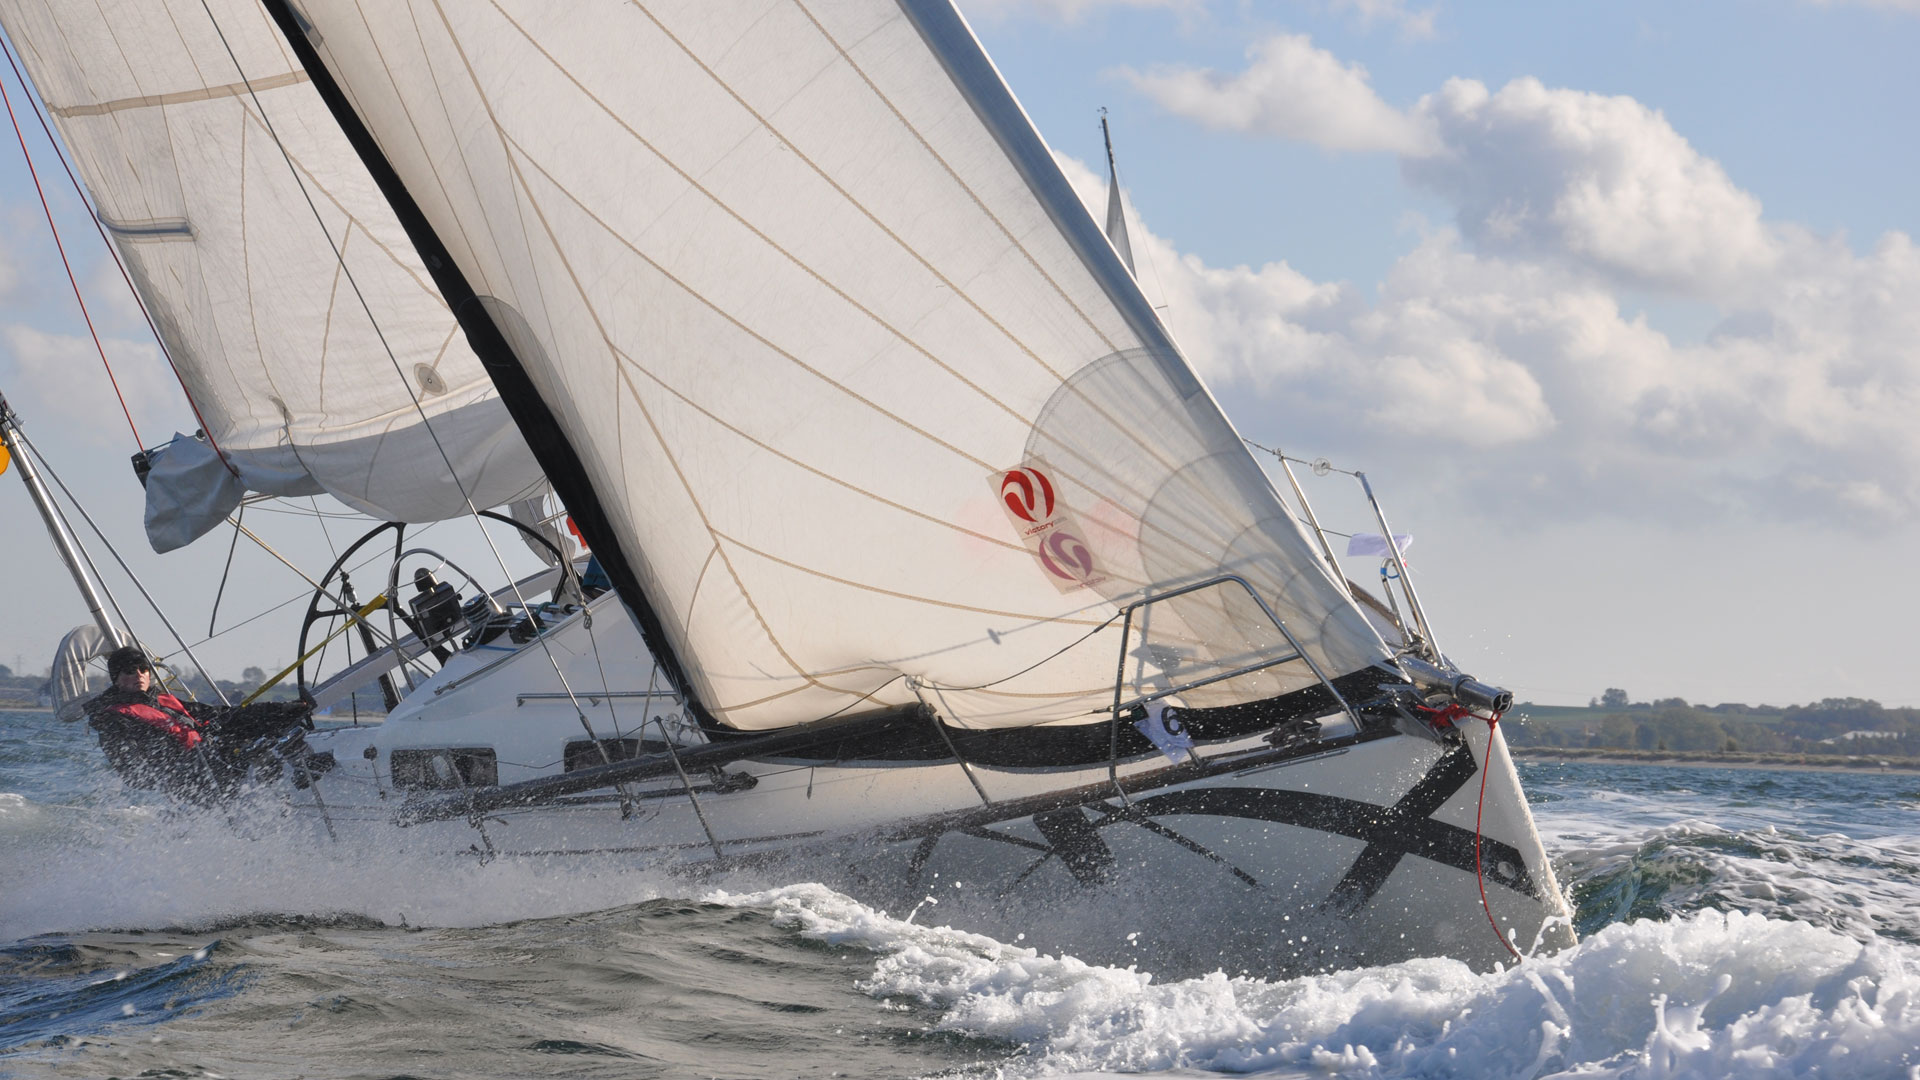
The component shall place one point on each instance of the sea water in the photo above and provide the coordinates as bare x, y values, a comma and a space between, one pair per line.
1741, 923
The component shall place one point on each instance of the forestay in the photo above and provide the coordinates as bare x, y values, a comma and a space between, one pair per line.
285, 366
868, 399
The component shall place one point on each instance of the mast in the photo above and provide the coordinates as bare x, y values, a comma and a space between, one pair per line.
63, 541
1116, 214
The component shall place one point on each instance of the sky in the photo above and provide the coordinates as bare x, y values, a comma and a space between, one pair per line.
1617, 305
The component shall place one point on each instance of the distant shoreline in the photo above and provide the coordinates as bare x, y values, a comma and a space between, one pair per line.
1795, 762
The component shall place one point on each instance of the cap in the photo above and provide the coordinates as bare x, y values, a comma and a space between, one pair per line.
127, 658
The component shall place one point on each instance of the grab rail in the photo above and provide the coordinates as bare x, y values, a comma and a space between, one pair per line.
1120, 675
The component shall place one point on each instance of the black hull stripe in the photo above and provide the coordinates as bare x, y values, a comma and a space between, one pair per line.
1391, 833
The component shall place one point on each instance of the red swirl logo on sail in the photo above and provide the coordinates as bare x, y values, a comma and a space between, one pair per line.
1066, 556
1028, 494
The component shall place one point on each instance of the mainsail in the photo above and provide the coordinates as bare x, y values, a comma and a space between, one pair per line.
865, 404
289, 374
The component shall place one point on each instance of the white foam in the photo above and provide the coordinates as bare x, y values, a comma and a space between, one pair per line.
151, 869
1708, 995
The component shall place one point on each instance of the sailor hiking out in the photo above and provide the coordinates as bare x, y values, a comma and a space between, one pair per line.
189, 749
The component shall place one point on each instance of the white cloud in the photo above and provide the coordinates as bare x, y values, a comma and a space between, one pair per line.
1552, 399
62, 376
1604, 180
1291, 89
112, 304
1531, 171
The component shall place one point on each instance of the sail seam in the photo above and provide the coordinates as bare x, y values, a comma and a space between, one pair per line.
581, 291
935, 154
735, 321
326, 325
957, 290
822, 474
899, 335
693, 595
521, 152
529, 410
1065, 620
308, 179
857, 695
177, 97
530, 202
764, 238
766, 125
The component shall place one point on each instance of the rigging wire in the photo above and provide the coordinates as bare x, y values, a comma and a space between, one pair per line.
445, 458
139, 444
113, 251
324, 531
295, 598
111, 550
400, 656
92, 567
213, 615
1056, 654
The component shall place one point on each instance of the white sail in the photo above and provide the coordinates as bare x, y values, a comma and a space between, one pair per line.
283, 364
868, 401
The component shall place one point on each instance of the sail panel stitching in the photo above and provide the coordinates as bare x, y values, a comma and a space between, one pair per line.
984, 465
875, 317
928, 600
580, 290
951, 171
1098, 408
821, 473
790, 257
767, 125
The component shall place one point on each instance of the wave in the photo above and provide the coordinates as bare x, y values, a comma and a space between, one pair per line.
1708, 994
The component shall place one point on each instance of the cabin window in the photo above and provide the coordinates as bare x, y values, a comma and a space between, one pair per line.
452, 767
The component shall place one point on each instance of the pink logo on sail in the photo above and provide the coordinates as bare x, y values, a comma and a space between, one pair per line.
1028, 494
1066, 556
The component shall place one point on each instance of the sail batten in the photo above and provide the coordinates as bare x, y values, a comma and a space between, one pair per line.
854, 383
209, 209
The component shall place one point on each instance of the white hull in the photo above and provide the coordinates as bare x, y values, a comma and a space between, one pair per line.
1357, 848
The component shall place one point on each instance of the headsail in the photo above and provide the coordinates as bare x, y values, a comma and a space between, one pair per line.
284, 365
868, 406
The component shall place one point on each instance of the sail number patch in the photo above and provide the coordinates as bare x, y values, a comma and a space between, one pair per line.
1032, 500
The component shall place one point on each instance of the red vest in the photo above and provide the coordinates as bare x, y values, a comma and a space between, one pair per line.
169, 716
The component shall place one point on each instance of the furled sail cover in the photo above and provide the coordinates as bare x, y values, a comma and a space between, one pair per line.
276, 351
871, 402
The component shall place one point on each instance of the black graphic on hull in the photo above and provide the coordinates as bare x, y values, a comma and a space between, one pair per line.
1391, 832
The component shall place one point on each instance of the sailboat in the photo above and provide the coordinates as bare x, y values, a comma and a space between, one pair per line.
933, 563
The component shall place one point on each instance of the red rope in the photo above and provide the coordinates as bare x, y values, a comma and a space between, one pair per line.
31, 171
1493, 723
115, 253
